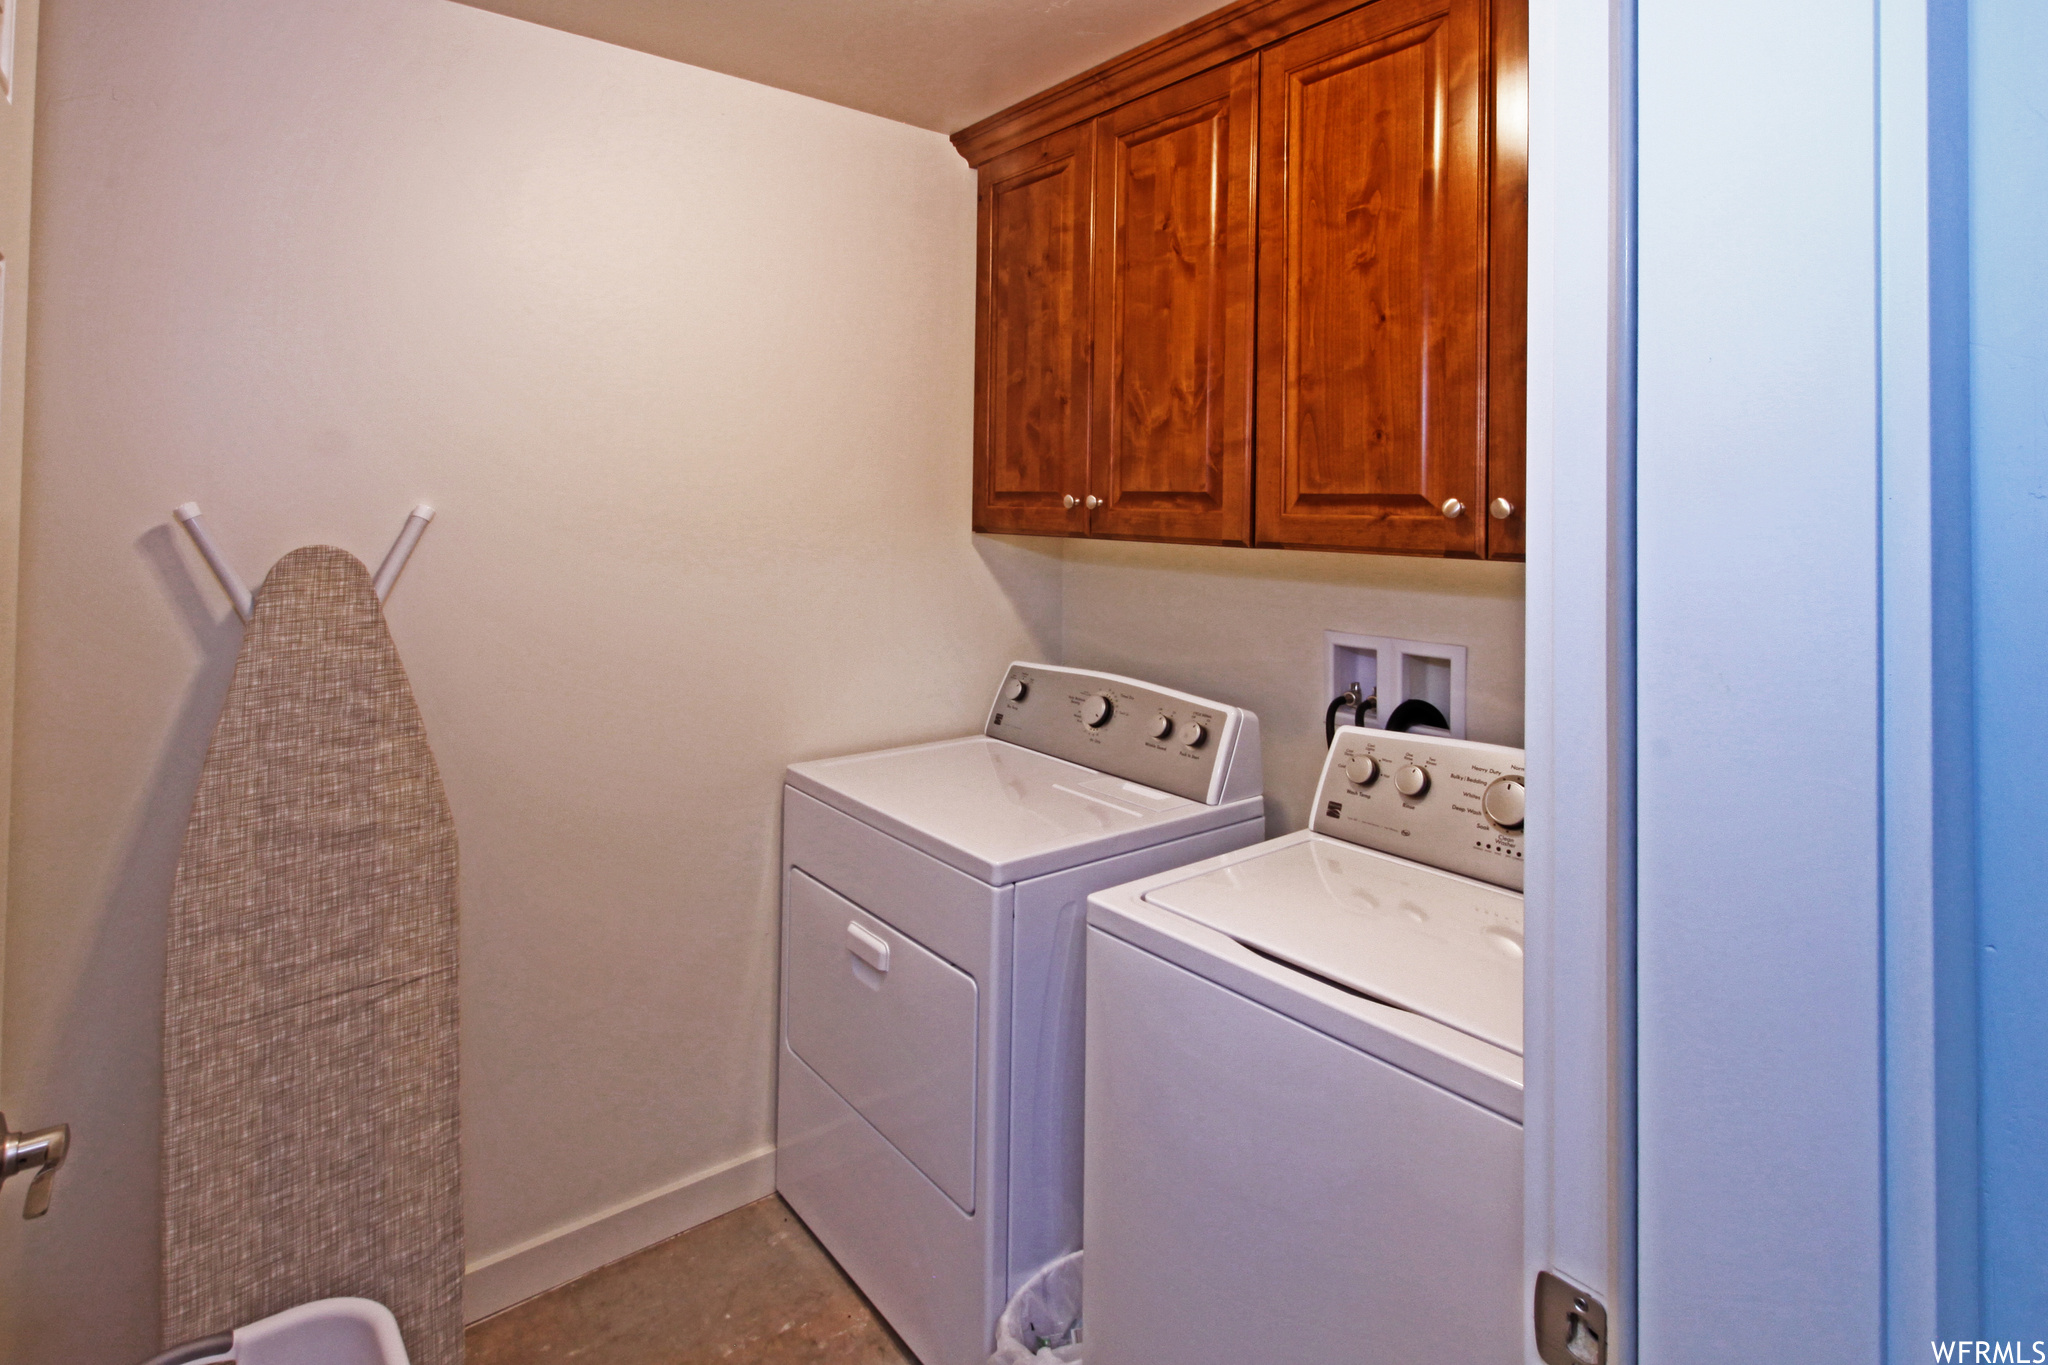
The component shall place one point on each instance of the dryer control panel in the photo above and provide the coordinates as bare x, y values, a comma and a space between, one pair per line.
1156, 737
1453, 804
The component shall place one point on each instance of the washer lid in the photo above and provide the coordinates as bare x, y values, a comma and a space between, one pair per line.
1439, 945
1000, 812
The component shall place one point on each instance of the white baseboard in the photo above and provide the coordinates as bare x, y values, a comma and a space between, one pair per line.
559, 1256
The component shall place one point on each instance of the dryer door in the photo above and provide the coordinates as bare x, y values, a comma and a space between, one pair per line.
887, 1024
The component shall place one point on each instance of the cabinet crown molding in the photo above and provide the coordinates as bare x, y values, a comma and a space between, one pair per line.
1189, 50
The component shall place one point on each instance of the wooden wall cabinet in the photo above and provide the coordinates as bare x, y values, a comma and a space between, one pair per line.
1033, 337
1372, 326
1115, 336
1261, 282
1170, 453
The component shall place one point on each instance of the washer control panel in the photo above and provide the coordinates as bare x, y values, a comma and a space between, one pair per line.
1196, 748
1453, 804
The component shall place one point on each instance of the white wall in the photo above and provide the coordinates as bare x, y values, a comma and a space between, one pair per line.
2008, 319
684, 362
1246, 627
17, 153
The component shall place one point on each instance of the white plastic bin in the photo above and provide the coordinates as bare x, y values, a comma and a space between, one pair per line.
325, 1332
1043, 1323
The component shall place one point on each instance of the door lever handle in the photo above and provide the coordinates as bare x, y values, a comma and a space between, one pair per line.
43, 1150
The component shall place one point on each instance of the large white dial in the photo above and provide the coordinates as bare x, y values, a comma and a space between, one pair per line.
1097, 710
1504, 802
1411, 780
1016, 690
1162, 725
1194, 734
1362, 771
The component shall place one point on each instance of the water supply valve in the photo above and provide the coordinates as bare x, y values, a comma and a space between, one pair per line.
1355, 698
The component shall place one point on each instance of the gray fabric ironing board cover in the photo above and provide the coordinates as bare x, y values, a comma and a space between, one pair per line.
310, 1115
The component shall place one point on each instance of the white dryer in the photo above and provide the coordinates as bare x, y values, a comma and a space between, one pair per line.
1304, 1080
928, 1098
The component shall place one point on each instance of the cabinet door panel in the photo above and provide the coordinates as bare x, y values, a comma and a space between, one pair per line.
1171, 452
1031, 419
1507, 309
1372, 260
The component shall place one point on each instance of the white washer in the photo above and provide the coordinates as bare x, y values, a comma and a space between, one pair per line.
928, 1099
1304, 1080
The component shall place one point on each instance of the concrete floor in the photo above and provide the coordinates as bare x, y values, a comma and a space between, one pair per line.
751, 1288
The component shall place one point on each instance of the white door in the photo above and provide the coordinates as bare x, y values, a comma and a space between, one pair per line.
1735, 645
1578, 1186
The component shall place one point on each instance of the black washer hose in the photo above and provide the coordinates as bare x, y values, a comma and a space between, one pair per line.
1350, 699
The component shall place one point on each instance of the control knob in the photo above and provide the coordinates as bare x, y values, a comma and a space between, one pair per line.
1362, 771
1411, 780
1097, 710
1504, 801
1194, 734
1162, 725
1016, 690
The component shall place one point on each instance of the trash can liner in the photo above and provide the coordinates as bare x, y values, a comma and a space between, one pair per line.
1042, 1324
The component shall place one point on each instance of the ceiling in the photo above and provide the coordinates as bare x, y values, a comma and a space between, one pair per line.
939, 64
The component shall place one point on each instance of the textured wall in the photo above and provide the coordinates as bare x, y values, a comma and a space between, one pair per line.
17, 150
1246, 626
684, 362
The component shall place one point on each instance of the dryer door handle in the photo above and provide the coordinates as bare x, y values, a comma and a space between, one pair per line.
872, 949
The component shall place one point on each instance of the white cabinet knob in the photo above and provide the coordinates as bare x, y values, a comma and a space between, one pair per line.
1500, 509
1071, 501
1453, 508
1091, 502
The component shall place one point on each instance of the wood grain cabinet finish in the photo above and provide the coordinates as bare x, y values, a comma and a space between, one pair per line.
1170, 457
1507, 282
1032, 338
1279, 301
1372, 256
